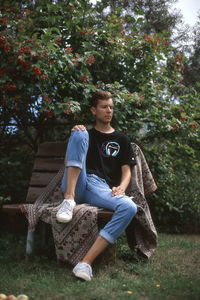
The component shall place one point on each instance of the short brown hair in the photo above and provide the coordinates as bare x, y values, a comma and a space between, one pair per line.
100, 95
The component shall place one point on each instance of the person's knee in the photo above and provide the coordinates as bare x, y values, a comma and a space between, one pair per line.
79, 135
132, 208
79, 138
128, 207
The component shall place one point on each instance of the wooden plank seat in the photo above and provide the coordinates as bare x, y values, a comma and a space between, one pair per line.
49, 158
13, 209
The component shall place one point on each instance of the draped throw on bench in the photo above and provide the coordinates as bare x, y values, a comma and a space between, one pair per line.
73, 240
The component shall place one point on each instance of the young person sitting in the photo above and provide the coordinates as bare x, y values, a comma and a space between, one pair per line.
98, 171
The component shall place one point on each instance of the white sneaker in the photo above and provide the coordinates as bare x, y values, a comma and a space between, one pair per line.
65, 211
83, 270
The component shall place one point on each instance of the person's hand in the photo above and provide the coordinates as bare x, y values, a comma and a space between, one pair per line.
78, 127
117, 190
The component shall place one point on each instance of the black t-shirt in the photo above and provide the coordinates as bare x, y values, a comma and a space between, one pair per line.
107, 153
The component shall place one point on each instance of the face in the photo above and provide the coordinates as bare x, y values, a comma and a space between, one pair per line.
103, 111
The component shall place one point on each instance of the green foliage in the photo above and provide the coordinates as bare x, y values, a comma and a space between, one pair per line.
4, 199
56, 61
176, 206
156, 13
15, 168
54, 55
191, 74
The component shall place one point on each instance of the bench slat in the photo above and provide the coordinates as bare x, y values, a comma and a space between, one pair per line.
34, 193
103, 215
12, 209
48, 164
41, 178
52, 149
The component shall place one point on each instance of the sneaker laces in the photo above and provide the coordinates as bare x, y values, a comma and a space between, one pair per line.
85, 268
66, 207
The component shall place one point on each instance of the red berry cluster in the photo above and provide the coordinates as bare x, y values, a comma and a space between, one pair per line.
4, 45
10, 87
84, 78
193, 126
68, 50
24, 63
37, 71
24, 50
89, 60
4, 71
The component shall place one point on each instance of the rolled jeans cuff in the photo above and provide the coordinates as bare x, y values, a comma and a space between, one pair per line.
74, 163
106, 236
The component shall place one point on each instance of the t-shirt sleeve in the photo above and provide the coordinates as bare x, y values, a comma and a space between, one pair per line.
127, 154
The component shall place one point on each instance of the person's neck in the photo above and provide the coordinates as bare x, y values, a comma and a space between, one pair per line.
104, 128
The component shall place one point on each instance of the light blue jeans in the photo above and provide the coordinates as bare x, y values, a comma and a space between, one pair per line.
94, 190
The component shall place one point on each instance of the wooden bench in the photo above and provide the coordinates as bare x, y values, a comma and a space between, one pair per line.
48, 160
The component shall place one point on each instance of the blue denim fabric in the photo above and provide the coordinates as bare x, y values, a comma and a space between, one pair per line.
95, 191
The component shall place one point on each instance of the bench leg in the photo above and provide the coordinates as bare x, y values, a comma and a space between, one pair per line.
30, 243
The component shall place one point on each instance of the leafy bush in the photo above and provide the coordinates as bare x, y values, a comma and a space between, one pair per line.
15, 167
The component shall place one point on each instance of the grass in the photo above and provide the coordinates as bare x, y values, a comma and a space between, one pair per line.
172, 273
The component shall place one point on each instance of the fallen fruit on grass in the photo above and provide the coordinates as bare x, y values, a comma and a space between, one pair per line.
3, 296
11, 297
22, 297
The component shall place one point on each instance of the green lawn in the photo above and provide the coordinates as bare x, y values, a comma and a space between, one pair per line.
172, 273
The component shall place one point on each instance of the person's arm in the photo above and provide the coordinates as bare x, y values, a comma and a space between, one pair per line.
125, 179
